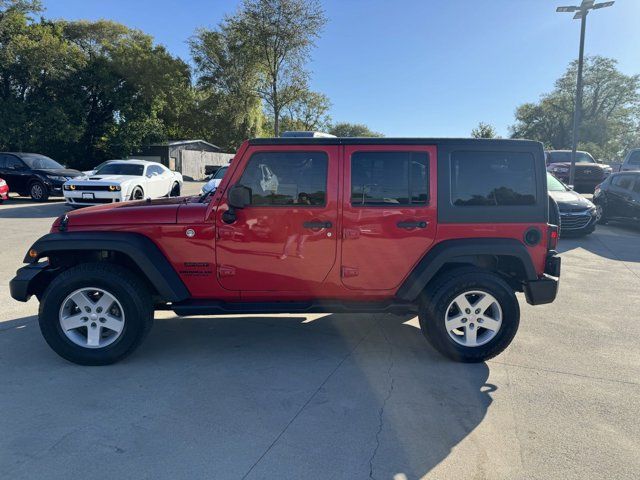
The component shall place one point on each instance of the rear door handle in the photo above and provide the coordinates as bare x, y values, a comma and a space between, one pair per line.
317, 225
417, 224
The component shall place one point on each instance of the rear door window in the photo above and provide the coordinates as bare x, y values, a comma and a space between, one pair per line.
634, 158
389, 178
493, 179
623, 181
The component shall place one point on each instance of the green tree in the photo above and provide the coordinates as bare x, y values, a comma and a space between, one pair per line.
345, 129
310, 112
610, 111
484, 130
228, 110
276, 36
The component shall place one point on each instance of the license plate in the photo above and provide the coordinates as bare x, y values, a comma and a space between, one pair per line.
88, 195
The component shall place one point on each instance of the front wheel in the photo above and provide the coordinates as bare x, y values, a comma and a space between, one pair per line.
469, 315
175, 190
601, 216
38, 192
95, 313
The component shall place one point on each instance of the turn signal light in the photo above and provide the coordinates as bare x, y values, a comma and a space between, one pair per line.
33, 253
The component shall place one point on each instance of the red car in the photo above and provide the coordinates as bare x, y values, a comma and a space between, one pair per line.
4, 190
446, 229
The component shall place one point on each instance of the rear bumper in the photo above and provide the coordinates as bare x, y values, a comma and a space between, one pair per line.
541, 291
545, 288
22, 286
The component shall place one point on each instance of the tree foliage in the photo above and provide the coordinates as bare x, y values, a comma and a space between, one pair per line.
276, 37
345, 129
484, 130
85, 91
610, 115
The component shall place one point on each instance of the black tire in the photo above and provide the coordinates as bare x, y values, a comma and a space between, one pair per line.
175, 190
38, 191
130, 291
441, 293
603, 215
137, 194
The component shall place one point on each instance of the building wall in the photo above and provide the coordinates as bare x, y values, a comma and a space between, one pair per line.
191, 163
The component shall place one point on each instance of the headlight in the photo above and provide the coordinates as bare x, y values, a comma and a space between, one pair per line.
114, 188
69, 187
57, 178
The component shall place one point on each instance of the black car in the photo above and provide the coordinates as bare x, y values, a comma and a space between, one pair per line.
589, 172
618, 198
578, 216
32, 174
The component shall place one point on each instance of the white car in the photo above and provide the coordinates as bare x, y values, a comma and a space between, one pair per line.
214, 181
122, 180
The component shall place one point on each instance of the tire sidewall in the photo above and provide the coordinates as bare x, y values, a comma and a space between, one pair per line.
433, 313
134, 312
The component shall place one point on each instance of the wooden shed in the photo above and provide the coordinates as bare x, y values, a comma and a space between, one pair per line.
189, 157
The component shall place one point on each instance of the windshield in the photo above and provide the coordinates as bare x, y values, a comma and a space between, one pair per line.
555, 185
220, 173
121, 169
36, 161
559, 157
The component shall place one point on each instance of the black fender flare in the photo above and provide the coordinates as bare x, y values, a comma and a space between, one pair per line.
139, 248
448, 250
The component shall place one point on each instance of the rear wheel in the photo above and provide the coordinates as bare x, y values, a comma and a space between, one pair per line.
175, 190
469, 315
38, 191
95, 313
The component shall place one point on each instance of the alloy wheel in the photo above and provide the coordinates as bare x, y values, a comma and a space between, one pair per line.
473, 318
92, 318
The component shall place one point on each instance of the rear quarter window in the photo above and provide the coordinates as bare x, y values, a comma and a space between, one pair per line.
492, 179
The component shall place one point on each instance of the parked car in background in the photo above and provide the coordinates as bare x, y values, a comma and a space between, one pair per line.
589, 173
577, 214
215, 180
618, 198
631, 161
32, 174
122, 180
4, 190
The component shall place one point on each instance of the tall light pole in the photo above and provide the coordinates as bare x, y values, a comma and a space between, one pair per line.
582, 11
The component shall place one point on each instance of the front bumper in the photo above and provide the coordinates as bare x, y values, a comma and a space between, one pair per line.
92, 197
27, 280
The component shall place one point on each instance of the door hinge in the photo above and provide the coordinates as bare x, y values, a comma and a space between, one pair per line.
348, 272
226, 271
351, 233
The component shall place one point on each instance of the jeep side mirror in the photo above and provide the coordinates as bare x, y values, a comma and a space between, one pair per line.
239, 196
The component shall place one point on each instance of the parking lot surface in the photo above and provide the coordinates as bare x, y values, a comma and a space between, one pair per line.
332, 396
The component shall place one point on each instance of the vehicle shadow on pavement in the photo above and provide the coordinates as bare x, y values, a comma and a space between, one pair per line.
612, 241
27, 208
315, 396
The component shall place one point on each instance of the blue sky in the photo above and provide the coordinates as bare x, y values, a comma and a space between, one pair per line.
414, 67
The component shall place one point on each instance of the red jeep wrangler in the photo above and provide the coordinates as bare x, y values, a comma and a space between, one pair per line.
448, 229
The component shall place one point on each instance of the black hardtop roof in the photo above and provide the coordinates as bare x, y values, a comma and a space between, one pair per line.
393, 141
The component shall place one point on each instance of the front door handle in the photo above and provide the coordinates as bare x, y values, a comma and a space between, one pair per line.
408, 225
317, 225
